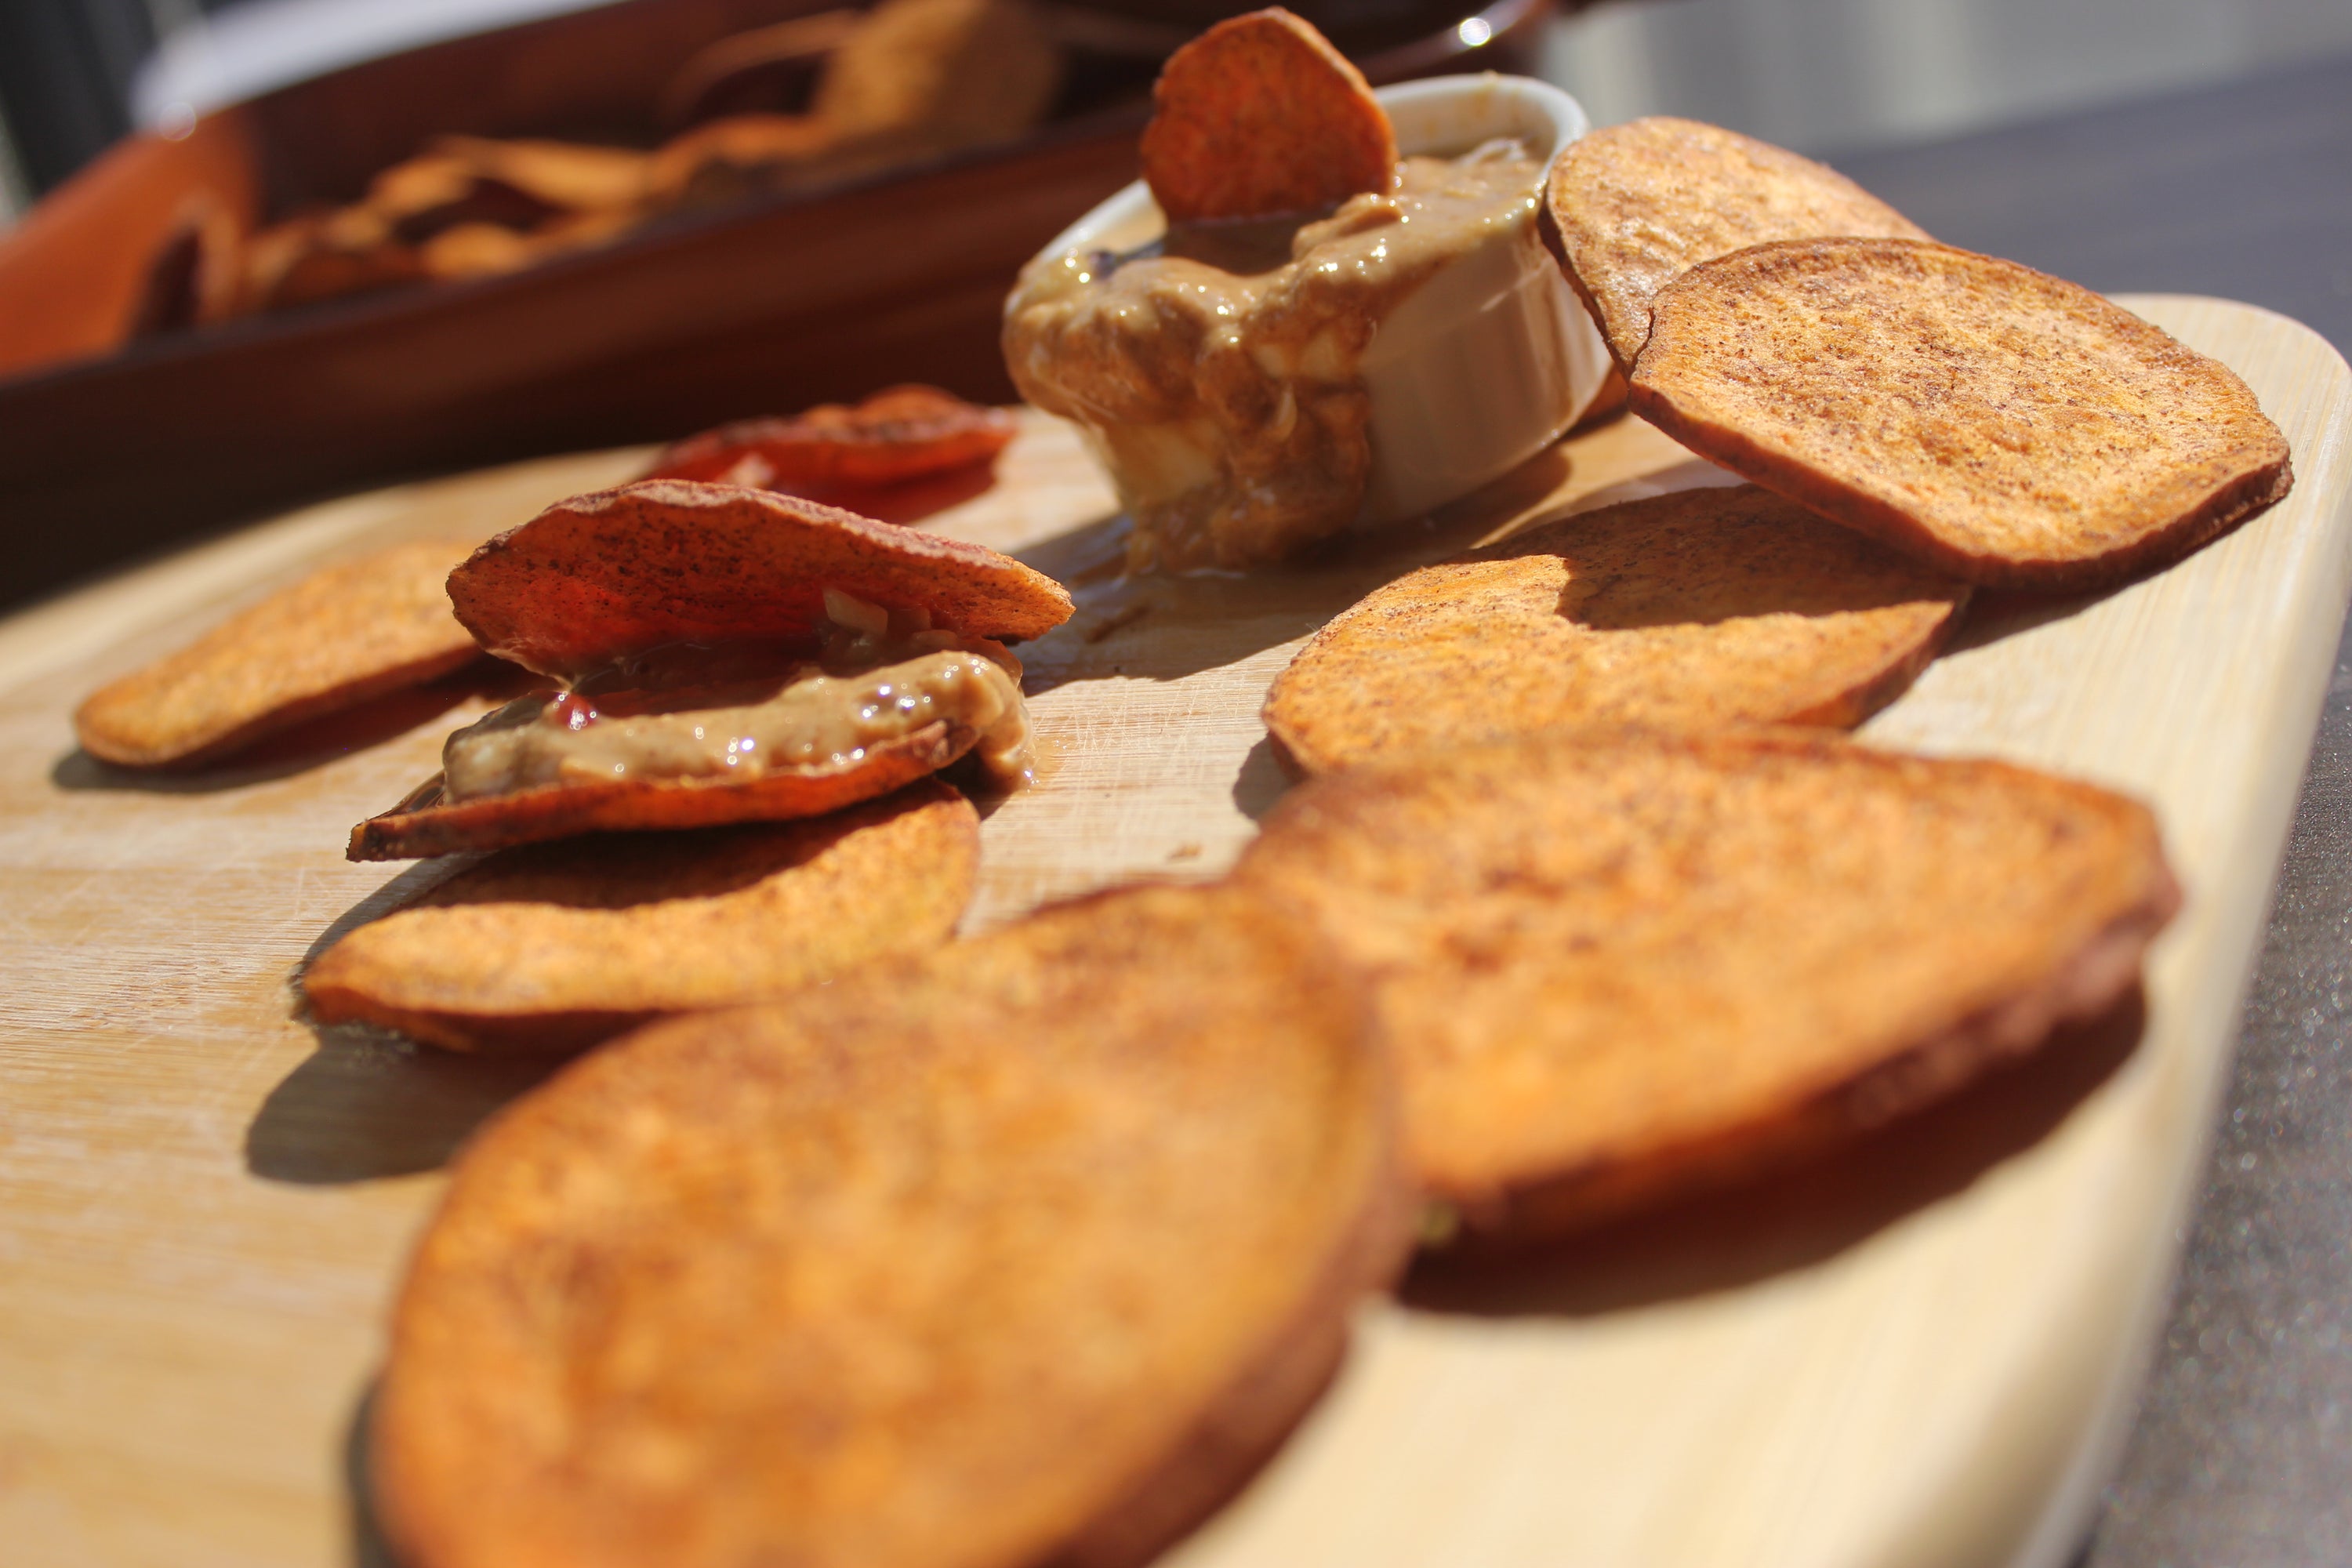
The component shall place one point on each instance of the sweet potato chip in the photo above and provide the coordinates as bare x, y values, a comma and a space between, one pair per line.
1616, 968
304, 260
718, 160
335, 639
566, 175
425, 824
671, 561
903, 433
557, 946
2006, 426
943, 72
1029, 1251
1694, 611
1260, 115
1634, 207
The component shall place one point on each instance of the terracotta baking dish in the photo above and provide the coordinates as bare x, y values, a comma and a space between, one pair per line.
112, 448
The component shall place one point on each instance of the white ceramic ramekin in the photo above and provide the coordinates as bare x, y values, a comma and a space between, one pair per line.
1487, 362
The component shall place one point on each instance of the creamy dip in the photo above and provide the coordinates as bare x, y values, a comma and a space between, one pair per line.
866, 689
1215, 369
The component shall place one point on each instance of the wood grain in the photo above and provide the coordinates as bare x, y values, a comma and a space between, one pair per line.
1922, 1354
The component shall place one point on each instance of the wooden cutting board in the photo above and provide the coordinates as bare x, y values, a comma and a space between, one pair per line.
1923, 1353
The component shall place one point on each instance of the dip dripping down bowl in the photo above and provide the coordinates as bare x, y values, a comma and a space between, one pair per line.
1466, 373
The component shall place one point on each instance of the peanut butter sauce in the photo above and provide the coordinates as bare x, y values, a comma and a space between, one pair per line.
1215, 369
869, 687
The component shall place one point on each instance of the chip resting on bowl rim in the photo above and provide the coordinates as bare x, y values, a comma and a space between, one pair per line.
2009, 427
1258, 116
1634, 206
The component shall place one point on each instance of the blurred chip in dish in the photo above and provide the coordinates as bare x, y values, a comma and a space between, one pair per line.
2009, 427
945, 73
556, 946
341, 635
729, 655
1028, 1251
1694, 611
904, 81
1618, 968
1636, 206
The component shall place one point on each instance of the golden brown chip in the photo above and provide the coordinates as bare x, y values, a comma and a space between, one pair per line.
899, 434
424, 824
1261, 115
1694, 611
477, 250
1636, 206
558, 946
952, 72
2008, 426
337, 638
722, 160
567, 174
671, 561
1616, 968
1026, 1252
306, 260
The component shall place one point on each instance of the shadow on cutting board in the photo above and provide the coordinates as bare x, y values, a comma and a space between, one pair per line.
370, 1102
1800, 1215
1995, 614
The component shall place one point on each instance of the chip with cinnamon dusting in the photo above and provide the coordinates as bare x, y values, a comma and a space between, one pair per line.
1618, 968
2009, 427
1634, 206
900, 434
557, 946
672, 560
1704, 609
1029, 1250
341, 635
1261, 115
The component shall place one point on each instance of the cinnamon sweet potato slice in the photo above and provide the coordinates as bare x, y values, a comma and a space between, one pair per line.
555, 947
1617, 968
1027, 1251
1260, 115
341, 635
899, 434
2009, 427
1636, 206
1690, 612
671, 561
424, 824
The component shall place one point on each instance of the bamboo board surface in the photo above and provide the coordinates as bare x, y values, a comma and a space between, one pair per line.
1923, 1353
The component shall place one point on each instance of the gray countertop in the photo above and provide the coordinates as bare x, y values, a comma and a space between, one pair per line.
2243, 1452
